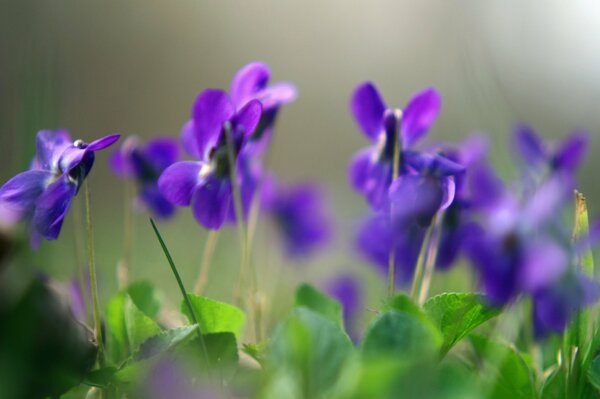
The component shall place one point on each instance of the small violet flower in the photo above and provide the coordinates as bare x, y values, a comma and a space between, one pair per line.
144, 163
538, 156
251, 83
42, 196
301, 217
205, 185
517, 251
371, 169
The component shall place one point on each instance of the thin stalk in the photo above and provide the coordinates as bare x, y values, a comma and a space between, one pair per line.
186, 298
124, 266
395, 174
93, 280
432, 252
419, 269
76, 222
207, 255
242, 231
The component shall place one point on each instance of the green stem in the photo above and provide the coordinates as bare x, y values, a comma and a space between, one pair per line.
207, 255
395, 174
124, 267
242, 230
419, 268
432, 252
93, 280
186, 298
76, 221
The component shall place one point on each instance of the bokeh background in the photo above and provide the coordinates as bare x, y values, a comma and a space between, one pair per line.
135, 67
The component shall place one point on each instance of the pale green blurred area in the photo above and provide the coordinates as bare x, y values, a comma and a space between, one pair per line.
135, 67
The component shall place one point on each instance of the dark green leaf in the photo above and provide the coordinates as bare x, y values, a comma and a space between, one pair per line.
402, 334
164, 341
310, 347
593, 373
503, 370
457, 314
101, 378
214, 316
310, 297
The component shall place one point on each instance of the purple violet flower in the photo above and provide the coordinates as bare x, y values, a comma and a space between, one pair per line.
457, 216
301, 216
205, 185
520, 249
251, 83
42, 196
371, 169
144, 163
377, 237
538, 156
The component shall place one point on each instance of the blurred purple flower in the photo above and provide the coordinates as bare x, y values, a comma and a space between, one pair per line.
519, 248
168, 379
42, 196
555, 305
348, 291
144, 163
471, 153
537, 155
301, 216
371, 169
205, 185
377, 237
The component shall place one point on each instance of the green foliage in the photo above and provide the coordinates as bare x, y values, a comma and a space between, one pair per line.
503, 371
593, 373
145, 297
164, 341
400, 334
44, 351
457, 314
214, 316
311, 298
310, 349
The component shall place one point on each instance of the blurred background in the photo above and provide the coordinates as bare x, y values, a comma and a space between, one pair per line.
135, 67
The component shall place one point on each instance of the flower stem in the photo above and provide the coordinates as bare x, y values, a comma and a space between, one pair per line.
419, 268
93, 280
76, 220
243, 233
432, 252
395, 174
207, 255
124, 266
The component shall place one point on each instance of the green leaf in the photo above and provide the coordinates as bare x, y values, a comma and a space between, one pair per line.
310, 347
457, 314
101, 378
503, 369
117, 343
395, 333
139, 327
256, 351
164, 341
554, 385
214, 316
145, 297
308, 296
593, 373
581, 229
